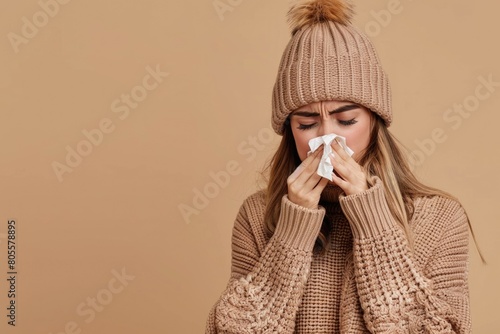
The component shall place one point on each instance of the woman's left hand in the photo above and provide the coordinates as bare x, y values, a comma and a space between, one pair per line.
352, 177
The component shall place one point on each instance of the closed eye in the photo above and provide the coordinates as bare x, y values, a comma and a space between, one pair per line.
343, 123
306, 126
349, 122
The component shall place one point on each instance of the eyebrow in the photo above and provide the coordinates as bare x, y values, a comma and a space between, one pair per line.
347, 107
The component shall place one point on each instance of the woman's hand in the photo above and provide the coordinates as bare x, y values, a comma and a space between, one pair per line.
304, 184
347, 174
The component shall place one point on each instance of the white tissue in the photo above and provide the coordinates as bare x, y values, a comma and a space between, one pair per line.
325, 168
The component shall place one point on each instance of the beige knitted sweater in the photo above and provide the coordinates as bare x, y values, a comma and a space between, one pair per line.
369, 281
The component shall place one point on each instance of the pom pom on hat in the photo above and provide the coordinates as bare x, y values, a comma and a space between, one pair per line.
305, 13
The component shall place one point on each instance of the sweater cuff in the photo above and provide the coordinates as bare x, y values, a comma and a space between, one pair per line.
297, 226
368, 212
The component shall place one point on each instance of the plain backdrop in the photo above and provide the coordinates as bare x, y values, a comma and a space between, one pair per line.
117, 117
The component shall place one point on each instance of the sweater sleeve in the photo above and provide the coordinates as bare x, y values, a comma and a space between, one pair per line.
264, 291
398, 294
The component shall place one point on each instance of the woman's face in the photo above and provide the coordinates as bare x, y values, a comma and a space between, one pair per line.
346, 119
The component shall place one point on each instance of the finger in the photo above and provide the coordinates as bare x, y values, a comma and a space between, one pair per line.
324, 181
307, 162
348, 179
343, 171
320, 187
338, 174
340, 151
338, 163
339, 181
348, 162
311, 182
310, 166
296, 173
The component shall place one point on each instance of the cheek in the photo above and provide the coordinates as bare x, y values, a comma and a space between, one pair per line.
358, 140
301, 143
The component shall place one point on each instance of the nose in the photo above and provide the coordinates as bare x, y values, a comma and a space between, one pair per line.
327, 126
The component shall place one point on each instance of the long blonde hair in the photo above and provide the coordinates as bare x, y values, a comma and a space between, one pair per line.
383, 157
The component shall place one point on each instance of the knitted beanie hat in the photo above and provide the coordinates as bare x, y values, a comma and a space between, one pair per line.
328, 59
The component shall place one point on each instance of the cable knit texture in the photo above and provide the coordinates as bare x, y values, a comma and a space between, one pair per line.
369, 280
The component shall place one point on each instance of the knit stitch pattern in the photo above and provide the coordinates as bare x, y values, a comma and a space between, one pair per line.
368, 281
330, 61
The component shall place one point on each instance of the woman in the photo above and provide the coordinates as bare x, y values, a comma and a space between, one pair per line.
373, 250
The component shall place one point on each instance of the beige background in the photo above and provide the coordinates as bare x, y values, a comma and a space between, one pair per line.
119, 207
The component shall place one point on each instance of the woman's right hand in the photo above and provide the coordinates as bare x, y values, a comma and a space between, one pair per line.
304, 184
